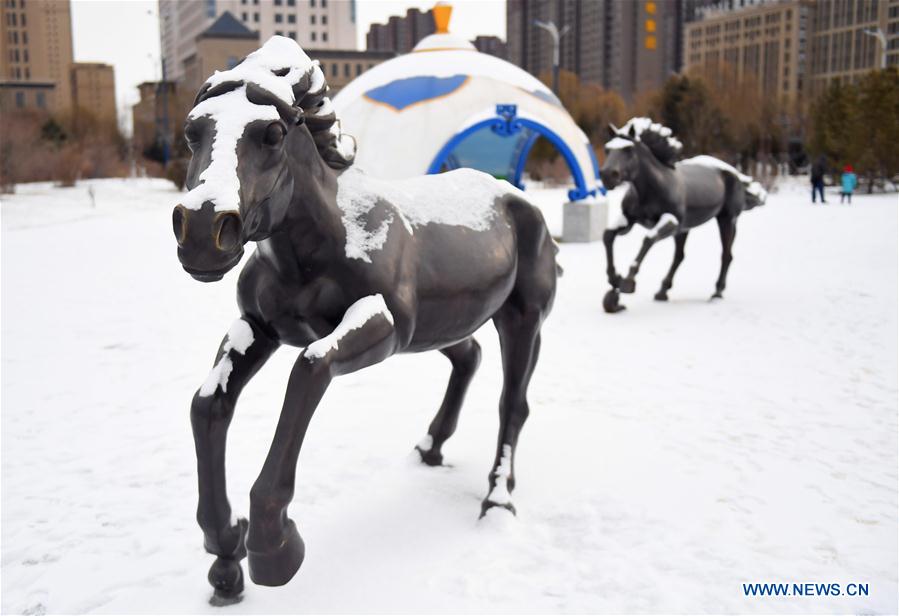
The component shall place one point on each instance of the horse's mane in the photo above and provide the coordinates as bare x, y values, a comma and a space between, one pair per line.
281, 74
659, 139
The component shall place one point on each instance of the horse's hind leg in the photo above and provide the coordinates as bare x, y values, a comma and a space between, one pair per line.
679, 241
465, 357
519, 337
727, 225
242, 352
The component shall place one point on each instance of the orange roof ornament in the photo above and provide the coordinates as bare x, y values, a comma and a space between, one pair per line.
442, 13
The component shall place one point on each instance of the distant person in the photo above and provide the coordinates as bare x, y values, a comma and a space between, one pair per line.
849, 182
818, 169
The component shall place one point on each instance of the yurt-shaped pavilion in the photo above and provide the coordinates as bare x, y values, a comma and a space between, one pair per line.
445, 105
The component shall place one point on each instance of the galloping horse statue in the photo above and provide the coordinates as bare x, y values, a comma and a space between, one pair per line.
350, 269
669, 198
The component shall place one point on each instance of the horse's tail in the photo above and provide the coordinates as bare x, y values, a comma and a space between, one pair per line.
754, 193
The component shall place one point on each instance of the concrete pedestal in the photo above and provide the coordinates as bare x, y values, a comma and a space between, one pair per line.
584, 221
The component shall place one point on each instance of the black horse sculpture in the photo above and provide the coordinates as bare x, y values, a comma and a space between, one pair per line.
352, 270
669, 199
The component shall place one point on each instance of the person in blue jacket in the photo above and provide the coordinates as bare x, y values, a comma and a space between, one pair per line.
849, 182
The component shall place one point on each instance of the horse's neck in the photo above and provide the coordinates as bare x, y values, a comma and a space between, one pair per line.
313, 224
654, 180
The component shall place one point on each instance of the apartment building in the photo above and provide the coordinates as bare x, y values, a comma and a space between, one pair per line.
840, 48
93, 91
764, 41
400, 34
320, 24
629, 47
35, 54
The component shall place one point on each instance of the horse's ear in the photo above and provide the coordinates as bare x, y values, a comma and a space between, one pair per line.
631, 132
613, 130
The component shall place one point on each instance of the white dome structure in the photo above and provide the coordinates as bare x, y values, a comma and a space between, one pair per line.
446, 105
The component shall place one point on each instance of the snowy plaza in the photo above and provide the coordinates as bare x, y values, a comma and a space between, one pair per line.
675, 451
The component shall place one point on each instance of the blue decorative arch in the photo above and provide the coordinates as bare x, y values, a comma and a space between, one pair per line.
507, 123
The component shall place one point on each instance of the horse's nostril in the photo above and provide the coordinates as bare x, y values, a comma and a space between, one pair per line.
227, 231
179, 224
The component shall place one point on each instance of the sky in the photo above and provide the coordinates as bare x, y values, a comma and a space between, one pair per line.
125, 33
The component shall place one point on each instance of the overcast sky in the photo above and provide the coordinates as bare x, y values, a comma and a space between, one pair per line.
125, 33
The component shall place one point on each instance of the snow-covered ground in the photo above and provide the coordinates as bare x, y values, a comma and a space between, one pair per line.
674, 451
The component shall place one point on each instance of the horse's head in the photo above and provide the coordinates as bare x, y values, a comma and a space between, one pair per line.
640, 138
621, 163
243, 128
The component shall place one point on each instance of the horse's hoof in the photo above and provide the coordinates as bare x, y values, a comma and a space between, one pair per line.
277, 566
717, 295
226, 577
661, 296
430, 457
610, 302
627, 285
487, 505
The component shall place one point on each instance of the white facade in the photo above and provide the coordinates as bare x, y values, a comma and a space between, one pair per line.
314, 24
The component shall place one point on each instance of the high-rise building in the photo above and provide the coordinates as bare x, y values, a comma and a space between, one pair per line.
93, 92
322, 24
629, 47
400, 34
841, 50
766, 42
35, 54
492, 45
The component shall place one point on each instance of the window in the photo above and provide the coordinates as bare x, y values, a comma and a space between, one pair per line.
334, 70
256, 17
324, 4
291, 19
291, 2
41, 100
244, 2
279, 33
312, 3
24, 38
312, 37
255, 1
23, 19
346, 69
324, 37
358, 70
277, 2
16, 52
324, 20
27, 73
24, 55
312, 19
13, 17
20, 99
15, 37
243, 16
279, 18
292, 34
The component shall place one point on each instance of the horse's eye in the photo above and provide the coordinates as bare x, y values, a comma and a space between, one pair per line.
274, 133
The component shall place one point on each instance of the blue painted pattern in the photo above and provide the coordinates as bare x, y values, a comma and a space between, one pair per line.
402, 93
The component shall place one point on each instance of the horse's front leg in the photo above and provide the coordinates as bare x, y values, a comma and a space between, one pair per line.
365, 336
243, 351
666, 227
610, 301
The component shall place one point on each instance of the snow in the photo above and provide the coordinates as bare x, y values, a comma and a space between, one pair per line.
664, 219
357, 315
463, 197
673, 451
443, 41
278, 53
238, 339
219, 182
619, 143
641, 125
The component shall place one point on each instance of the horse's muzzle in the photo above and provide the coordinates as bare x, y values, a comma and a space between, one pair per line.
210, 243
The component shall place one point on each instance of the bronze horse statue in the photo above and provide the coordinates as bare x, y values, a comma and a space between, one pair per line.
669, 199
351, 270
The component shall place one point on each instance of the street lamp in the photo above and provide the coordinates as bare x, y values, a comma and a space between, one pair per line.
878, 34
556, 35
